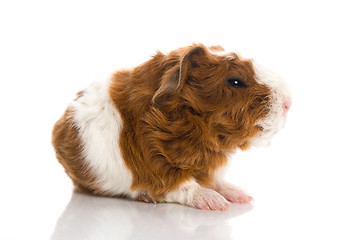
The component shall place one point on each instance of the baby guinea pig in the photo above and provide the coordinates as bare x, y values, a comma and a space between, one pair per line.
161, 132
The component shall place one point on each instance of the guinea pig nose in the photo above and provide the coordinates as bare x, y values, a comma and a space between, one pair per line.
286, 105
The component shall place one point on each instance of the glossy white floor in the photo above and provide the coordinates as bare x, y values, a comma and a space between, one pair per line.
306, 185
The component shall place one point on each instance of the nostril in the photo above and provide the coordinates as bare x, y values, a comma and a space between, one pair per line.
286, 105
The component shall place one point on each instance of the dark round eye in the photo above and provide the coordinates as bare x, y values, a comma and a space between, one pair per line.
236, 82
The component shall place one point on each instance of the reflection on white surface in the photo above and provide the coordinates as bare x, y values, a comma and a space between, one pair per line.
91, 217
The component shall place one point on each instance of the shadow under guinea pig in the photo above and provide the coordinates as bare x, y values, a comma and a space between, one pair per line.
92, 217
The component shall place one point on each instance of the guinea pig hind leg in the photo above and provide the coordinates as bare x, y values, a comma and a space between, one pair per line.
232, 193
144, 197
194, 195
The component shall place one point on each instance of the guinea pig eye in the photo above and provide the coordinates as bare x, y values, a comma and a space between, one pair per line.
236, 82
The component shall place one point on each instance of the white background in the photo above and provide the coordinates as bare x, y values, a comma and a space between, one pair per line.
306, 185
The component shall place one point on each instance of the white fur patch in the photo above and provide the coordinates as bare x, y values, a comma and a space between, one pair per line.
223, 53
184, 194
277, 115
99, 125
194, 195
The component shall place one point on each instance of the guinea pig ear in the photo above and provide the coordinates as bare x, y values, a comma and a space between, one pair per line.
175, 77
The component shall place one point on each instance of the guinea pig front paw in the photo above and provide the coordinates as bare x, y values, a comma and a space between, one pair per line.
233, 193
208, 199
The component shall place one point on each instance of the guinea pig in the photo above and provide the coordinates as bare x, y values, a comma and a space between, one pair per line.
162, 131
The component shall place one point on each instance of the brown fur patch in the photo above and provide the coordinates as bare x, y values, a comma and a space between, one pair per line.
216, 48
181, 118
68, 148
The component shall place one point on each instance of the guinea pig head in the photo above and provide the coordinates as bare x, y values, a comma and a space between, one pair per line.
239, 102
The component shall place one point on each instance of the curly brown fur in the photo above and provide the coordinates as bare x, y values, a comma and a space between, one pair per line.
181, 119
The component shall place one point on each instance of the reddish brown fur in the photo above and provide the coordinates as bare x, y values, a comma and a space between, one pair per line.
181, 118
68, 148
